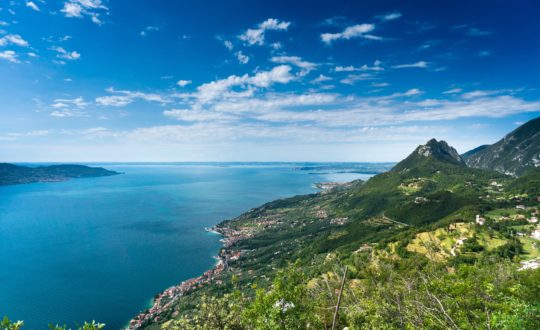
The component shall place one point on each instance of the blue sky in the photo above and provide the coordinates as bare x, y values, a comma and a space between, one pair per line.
133, 80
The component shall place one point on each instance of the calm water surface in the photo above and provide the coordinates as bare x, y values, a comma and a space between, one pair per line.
101, 248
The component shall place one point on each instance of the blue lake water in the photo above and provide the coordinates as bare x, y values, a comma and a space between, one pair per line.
101, 248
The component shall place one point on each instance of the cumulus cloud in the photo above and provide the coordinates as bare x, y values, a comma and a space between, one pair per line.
306, 66
9, 55
256, 36
64, 54
351, 32
82, 8
242, 59
13, 39
183, 83
210, 91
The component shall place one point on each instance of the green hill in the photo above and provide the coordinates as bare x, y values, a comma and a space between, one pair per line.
14, 174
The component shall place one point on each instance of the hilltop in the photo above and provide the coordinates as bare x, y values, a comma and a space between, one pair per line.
515, 154
421, 243
14, 174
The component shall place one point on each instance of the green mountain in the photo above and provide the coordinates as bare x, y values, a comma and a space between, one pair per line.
515, 154
431, 154
414, 255
14, 174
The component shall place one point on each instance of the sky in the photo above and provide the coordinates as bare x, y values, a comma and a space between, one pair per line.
161, 80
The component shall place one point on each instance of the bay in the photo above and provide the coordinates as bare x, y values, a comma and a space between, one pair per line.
101, 248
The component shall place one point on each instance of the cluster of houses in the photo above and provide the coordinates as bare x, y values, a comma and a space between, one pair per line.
339, 221
164, 300
532, 220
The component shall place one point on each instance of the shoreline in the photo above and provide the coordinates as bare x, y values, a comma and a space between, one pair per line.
165, 299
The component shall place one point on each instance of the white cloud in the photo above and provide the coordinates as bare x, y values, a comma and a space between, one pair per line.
183, 83
69, 103
256, 36
9, 55
194, 115
376, 67
355, 31
220, 88
148, 29
81, 8
66, 55
351, 79
13, 39
320, 79
228, 44
242, 59
72, 10
391, 16
125, 97
348, 68
453, 91
32, 5
69, 107
296, 61
419, 64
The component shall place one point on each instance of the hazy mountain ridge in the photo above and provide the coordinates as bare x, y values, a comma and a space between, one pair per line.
14, 174
515, 154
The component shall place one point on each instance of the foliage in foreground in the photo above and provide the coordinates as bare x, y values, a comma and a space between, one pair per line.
383, 293
7, 324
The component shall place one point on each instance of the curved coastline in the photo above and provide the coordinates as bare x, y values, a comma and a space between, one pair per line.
169, 296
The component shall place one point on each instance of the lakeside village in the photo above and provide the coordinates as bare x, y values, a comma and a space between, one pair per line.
164, 300
527, 227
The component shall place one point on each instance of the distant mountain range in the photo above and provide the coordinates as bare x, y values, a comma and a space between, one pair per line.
515, 154
14, 174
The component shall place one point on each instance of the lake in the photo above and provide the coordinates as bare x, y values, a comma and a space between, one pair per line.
101, 248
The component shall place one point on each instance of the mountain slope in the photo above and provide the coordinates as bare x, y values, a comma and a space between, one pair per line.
474, 151
15, 174
429, 189
515, 154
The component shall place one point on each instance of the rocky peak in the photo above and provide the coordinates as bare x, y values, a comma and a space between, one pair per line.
433, 153
440, 150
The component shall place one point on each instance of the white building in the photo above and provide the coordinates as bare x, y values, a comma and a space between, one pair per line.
479, 220
533, 220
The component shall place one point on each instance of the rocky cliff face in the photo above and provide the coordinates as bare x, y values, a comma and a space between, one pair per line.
515, 154
433, 150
